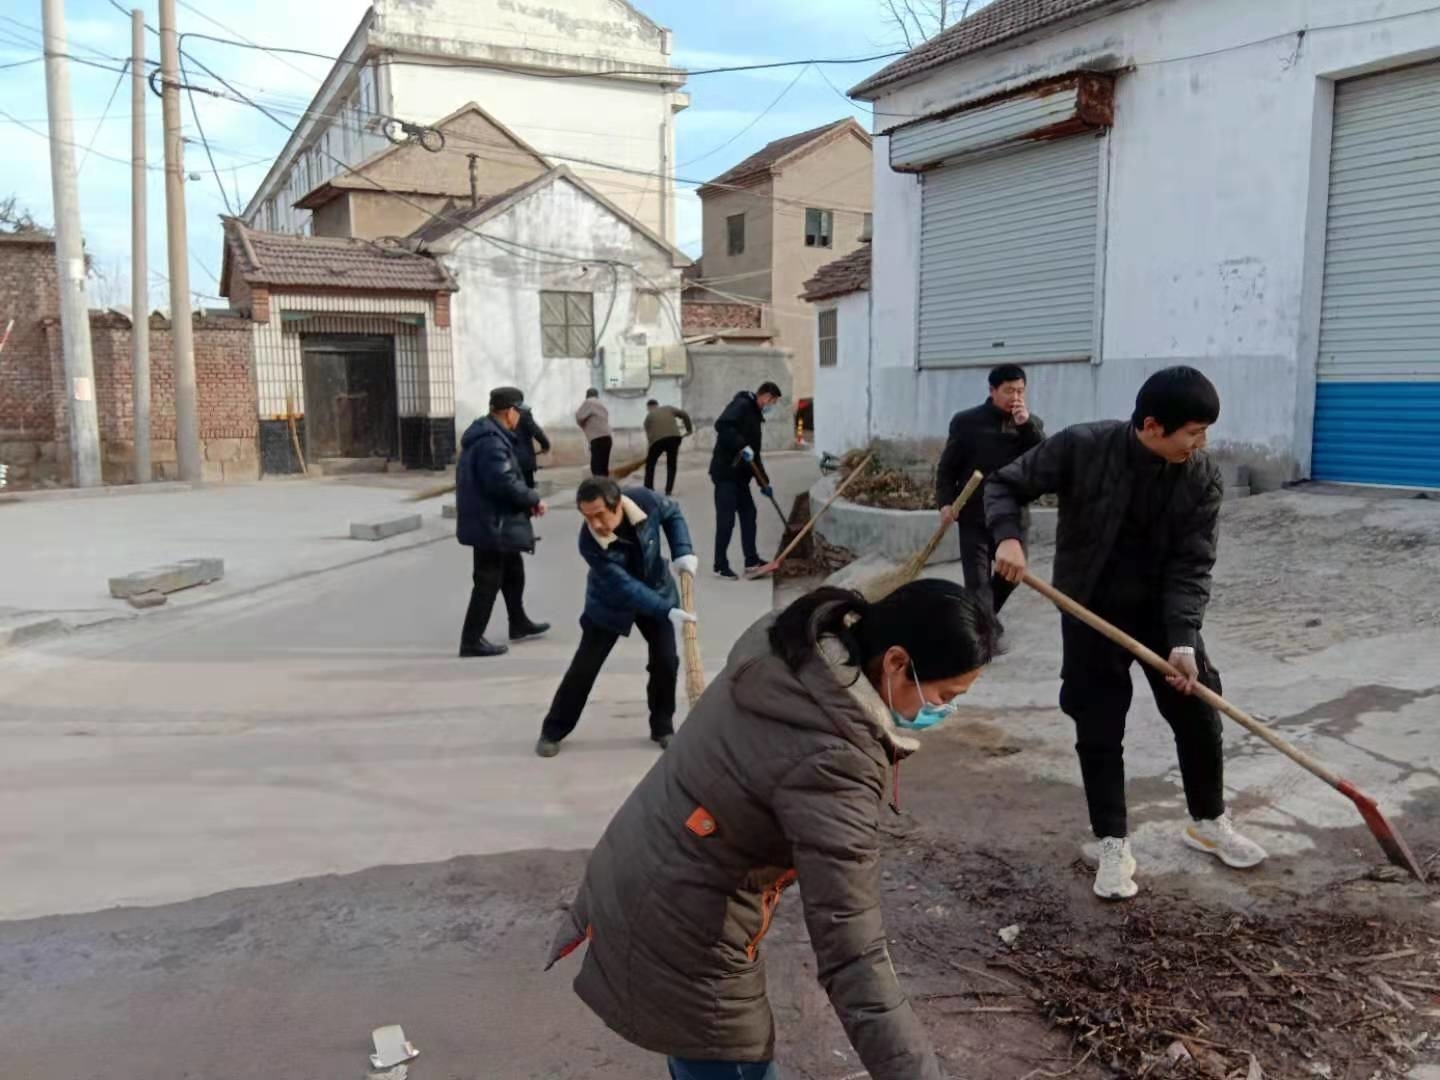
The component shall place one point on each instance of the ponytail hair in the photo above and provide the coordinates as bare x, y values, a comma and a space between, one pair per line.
943, 628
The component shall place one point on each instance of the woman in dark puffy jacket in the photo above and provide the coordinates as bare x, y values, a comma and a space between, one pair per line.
779, 775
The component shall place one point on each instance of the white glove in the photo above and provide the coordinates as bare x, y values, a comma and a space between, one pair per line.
746, 454
688, 564
679, 616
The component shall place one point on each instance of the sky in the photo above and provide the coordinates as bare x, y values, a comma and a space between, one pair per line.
731, 115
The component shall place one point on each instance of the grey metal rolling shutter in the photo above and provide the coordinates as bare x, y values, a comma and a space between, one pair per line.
1380, 309
1008, 256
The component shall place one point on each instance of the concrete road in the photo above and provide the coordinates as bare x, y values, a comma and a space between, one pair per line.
324, 727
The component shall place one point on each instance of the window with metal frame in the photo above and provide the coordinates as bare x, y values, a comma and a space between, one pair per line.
735, 234
1009, 257
567, 324
829, 338
819, 228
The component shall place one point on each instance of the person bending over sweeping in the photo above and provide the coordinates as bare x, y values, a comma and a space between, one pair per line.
1139, 518
779, 774
629, 585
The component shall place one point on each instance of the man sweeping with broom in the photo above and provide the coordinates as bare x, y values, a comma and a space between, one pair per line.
1139, 519
629, 585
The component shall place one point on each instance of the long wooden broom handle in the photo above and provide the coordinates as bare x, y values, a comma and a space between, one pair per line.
1204, 693
694, 670
971, 485
840, 490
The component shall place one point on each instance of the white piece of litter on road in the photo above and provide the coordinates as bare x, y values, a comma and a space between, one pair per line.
391, 1047
1010, 934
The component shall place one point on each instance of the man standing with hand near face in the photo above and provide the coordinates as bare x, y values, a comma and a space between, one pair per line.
629, 585
1135, 542
987, 437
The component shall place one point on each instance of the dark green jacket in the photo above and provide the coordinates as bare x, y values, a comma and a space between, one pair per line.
776, 777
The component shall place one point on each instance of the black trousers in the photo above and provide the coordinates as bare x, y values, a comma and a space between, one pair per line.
977, 563
732, 500
670, 447
600, 455
1095, 692
595, 645
495, 572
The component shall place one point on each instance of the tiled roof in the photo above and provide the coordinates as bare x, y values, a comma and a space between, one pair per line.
456, 214
997, 22
282, 259
764, 159
847, 275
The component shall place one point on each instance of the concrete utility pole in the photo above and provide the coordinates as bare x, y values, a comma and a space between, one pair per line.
182, 336
70, 256
139, 266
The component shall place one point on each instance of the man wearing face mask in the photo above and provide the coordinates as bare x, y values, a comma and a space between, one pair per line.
734, 463
1136, 538
780, 775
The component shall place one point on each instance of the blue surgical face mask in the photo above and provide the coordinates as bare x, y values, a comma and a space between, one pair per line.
929, 716
767, 410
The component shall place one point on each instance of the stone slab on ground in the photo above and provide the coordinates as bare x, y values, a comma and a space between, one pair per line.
168, 579
385, 528
147, 600
18, 629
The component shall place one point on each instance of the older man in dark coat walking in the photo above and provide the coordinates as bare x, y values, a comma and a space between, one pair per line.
493, 507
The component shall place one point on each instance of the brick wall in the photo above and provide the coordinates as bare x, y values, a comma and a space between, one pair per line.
29, 294
698, 316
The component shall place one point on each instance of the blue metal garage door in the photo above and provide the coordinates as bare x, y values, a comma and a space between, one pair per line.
1377, 406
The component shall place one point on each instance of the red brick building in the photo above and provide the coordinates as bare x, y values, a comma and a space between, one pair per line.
34, 429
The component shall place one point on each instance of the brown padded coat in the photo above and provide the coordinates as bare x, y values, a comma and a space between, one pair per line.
776, 775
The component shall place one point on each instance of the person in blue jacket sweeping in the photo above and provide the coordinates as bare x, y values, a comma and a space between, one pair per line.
629, 584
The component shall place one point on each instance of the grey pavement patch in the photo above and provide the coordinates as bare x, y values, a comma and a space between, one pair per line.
448, 511
385, 528
168, 579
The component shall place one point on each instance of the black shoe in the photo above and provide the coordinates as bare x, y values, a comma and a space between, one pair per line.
662, 741
546, 748
726, 573
482, 648
529, 630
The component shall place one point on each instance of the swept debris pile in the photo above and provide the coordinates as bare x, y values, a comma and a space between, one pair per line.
1184, 993
813, 557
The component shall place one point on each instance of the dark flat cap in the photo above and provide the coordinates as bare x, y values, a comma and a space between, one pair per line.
506, 397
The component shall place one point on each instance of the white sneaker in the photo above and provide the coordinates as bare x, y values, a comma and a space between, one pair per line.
1218, 837
1115, 880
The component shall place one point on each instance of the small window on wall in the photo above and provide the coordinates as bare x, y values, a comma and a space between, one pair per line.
735, 234
829, 334
567, 324
819, 228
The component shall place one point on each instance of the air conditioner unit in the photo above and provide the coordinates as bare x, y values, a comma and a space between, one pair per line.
669, 360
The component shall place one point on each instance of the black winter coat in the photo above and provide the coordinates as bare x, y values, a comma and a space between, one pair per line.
741, 424
526, 434
1092, 468
613, 595
492, 500
984, 438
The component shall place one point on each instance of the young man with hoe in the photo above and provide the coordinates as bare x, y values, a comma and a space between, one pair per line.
1136, 539
629, 584
984, 439
733, 464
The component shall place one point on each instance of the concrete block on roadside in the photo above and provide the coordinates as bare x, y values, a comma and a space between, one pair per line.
147, 600
385, 528
23, 628
168, 579
448, 512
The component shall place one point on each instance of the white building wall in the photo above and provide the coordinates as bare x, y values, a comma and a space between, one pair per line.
842, 396
1217, 172
496, 313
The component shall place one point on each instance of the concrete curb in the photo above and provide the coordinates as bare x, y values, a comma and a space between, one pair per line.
57, 624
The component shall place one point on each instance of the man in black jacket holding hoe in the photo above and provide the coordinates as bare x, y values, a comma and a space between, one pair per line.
987, 437
1135, 542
